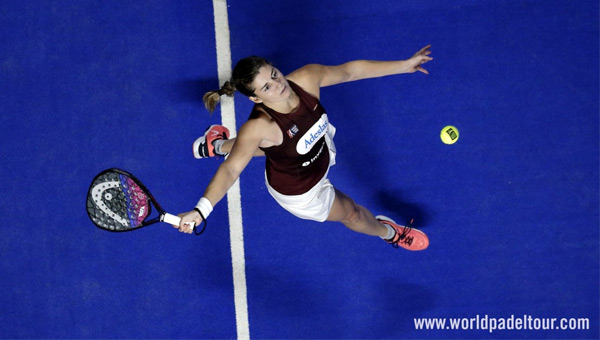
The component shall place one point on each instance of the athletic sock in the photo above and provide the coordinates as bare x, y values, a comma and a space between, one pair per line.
391, 232
218, 144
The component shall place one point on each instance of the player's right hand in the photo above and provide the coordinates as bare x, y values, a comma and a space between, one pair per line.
188, 221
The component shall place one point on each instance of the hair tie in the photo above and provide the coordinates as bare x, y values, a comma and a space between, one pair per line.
220, 92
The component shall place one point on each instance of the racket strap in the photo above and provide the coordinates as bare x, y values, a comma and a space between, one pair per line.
204, 208
204, 223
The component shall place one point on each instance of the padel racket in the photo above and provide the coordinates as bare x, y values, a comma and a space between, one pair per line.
117, 201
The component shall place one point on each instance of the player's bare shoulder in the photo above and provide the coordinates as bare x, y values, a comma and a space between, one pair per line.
308, 78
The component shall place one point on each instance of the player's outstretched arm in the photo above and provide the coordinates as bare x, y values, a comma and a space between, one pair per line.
314, 76
244, 148
364, 69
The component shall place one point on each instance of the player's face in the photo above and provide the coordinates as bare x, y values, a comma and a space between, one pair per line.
270, 86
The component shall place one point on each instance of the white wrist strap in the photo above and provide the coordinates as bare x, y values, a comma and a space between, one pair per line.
205, 207
218, 144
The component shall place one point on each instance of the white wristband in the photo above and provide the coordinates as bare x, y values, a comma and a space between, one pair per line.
205, 207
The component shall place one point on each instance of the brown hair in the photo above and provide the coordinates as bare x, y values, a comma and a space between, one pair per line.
242, 77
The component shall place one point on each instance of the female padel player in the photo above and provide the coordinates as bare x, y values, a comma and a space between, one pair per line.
290, 127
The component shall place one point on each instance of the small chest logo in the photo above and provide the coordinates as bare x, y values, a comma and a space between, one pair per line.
292, 131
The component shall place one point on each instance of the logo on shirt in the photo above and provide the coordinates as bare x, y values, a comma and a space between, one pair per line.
292, 131
313, 135
307, 163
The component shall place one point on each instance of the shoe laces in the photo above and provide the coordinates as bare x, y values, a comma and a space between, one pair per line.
402, 237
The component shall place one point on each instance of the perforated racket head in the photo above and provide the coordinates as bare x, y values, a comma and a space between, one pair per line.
116, 201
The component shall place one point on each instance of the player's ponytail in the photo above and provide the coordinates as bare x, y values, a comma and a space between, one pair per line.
243, 75
212, 98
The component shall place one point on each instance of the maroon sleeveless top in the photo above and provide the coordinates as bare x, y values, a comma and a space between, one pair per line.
302, 159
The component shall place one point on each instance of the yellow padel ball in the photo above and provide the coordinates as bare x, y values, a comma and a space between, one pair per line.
449, 134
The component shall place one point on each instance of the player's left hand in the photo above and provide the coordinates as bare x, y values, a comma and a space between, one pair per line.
415, 63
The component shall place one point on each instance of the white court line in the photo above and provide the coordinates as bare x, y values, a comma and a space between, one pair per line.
234, 202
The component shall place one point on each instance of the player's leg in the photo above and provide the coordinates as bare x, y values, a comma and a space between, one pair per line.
360, 219
354, 216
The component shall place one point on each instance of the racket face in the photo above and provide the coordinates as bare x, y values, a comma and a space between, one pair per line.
116, 202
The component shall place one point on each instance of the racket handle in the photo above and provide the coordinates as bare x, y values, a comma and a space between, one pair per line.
172, 219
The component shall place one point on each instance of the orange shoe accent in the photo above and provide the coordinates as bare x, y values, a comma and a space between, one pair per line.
203, 147
406, 237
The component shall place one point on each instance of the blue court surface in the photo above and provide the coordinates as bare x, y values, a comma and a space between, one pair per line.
511, 209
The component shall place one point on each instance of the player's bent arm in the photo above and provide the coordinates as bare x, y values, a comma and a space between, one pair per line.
228, 145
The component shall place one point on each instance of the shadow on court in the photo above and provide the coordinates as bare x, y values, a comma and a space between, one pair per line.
404, 211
